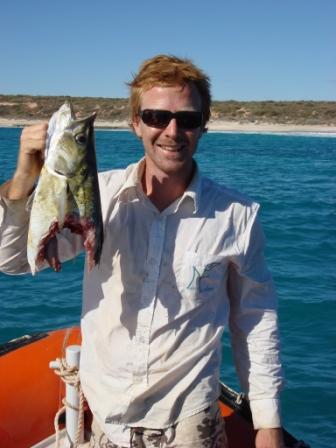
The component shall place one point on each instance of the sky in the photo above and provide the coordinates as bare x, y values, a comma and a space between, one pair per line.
251, 49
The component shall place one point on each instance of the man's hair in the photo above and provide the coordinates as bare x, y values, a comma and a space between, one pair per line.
166, 70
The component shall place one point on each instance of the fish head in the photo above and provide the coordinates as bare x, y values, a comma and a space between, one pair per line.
70, 141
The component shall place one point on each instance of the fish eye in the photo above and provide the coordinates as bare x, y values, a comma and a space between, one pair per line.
80, 139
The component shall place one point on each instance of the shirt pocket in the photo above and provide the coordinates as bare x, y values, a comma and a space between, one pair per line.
202, 276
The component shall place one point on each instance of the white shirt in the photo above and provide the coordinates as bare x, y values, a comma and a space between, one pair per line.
155, 308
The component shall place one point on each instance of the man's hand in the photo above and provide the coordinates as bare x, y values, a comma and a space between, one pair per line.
269, 438
30, 161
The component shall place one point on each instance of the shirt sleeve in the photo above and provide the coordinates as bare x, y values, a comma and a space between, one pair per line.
254, 326
14, 224
14, 221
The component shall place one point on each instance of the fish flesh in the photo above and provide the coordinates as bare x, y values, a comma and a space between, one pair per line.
67, 192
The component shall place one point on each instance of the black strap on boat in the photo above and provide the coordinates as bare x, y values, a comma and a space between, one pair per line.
239, 403
20, 342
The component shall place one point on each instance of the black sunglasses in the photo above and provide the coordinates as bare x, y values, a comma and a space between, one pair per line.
157, 118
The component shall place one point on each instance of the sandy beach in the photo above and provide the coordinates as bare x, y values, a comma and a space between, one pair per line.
213, 126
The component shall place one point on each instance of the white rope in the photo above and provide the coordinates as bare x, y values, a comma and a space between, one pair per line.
70, 376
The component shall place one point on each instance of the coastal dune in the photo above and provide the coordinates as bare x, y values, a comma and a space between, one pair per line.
226, 116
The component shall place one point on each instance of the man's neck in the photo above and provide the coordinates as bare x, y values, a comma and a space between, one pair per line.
163, 190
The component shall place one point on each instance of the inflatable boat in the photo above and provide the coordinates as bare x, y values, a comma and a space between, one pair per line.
31, 395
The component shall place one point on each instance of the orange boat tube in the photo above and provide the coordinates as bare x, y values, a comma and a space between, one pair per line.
31, 393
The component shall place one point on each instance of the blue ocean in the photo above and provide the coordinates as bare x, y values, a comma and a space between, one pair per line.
294, 178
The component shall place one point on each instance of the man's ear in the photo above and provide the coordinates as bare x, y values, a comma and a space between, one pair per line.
137, 126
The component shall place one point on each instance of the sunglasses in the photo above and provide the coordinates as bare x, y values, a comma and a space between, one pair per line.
157, 118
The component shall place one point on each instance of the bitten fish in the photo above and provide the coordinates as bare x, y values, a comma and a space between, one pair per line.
67, 193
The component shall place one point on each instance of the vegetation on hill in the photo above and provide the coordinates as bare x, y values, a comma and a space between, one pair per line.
117, 109
285, 112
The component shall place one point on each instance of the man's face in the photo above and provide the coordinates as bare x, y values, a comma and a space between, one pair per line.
169, 151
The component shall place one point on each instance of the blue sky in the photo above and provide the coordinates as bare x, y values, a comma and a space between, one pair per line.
251, 49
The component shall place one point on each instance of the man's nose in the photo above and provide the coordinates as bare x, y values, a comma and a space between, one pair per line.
172, 128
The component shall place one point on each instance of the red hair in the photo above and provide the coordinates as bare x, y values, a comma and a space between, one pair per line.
164, 70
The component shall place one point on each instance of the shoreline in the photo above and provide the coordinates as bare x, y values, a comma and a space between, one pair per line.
213, 126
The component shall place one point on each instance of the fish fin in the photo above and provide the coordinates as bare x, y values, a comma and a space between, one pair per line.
72, 111
88, 119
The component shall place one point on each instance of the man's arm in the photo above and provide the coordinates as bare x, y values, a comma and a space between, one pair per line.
269, 438
254, 333
14, 215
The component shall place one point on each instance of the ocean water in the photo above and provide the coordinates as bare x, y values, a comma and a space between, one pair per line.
294, 178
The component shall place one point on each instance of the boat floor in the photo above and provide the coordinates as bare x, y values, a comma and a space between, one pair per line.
63, 442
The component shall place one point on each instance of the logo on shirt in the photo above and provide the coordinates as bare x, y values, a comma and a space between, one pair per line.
198, 275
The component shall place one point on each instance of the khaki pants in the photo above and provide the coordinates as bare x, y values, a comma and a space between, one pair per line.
203, 430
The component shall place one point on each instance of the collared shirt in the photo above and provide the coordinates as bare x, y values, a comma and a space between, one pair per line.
155, 308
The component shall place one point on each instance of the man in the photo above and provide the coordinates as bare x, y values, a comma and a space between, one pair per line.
182, 257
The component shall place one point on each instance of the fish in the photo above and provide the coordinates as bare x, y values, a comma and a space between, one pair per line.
67, 193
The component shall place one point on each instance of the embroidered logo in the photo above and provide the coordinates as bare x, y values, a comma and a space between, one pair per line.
198, 276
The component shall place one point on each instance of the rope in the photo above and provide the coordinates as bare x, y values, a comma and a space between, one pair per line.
70, 376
